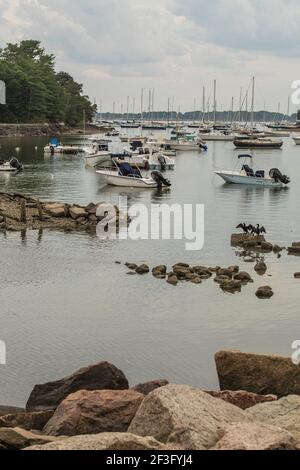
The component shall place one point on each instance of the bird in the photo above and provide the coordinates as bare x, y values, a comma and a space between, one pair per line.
258, 230
244, 227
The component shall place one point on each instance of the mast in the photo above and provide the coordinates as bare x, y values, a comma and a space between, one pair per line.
252, 104
232, 107
215, 102
142, 104
168, 112
241, 105
203, 105
127, 108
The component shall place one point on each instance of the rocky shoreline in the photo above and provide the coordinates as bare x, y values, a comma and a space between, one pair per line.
19, 213
256, 408
40, 129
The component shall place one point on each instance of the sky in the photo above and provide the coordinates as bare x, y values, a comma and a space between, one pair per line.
117, 47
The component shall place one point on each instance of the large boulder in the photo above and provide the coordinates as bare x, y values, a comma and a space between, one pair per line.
102, 376
17, 438
93, 412
255, 436
284, 413
9, 410
78, 212
242, 399
184, 416
36, 420
149, 387
106, 441
257, 373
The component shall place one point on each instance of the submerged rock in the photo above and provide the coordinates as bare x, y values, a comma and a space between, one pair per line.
231, 286
143, 269
264, 292
172, 279
160, 272
243, 277
261, 268
97, 377
131, 266
256, 373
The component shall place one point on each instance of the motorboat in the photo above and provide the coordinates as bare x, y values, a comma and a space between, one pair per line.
97, 154
258, 143
248, 176
55, 147
12, 165
218, 137
126, 176
296, 139
187, 145
159, 161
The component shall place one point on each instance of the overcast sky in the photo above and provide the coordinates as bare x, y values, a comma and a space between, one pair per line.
117, 47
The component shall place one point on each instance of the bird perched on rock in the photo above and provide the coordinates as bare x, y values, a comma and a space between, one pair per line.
245, 227
258, 230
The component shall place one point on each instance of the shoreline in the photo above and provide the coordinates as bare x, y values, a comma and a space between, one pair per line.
44, 129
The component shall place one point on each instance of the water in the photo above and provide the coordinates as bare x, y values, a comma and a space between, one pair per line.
66, 304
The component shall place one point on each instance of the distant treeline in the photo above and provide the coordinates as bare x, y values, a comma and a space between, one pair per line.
35, 92
227, 116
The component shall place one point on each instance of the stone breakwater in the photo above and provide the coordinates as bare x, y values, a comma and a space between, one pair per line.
39, 130
18, 213
256, 408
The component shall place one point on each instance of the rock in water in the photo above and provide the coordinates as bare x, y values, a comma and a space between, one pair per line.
143, 269
184, 416
149, 387
78, 212
243, 277
106, 441
261, 268
93, 412
102, 376
172, 279
257, 373
284, 413
255, 436
242, 399
297, 275
264, 292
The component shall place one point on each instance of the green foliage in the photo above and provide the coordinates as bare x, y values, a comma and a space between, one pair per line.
35, 92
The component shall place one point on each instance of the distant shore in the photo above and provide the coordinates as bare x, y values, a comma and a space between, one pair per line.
43, 129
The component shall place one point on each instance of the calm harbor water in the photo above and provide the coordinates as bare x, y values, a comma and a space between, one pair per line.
66, 304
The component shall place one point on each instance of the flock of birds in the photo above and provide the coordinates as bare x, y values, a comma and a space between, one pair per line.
250, 229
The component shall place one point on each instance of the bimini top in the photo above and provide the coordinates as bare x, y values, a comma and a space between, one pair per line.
54, 141
245, 156
127, 170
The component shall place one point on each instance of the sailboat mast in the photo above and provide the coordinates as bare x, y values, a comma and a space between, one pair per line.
215, 102
252, 104
203, 105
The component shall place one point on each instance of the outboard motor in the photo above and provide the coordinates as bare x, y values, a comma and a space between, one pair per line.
14, 162
203, 147
278, 176
163, 162
160, 180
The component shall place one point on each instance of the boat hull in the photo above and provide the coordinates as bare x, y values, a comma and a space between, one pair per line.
125, 181
242, 144
94, 160
248, 180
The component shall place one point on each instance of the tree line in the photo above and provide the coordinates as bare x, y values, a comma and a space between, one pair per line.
35, 92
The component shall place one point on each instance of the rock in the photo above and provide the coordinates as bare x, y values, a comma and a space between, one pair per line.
149, 387
266, 247
243, 277
242, 399
257, 373
131, 273
294, 249
160, 272
78, 212
196, 280
297, 275
55, 210
143, 269
131, 266
172, 279
255, 437
231, 286
9, 410
284, 413
93, 412
261, 268
105, 441
28, 421
17, 438
204, 273
182, 272
222, 279
277, 249
181, 265
234, 269
225, 272
264, 292
101, 376
184, 416
190, 276
246, 239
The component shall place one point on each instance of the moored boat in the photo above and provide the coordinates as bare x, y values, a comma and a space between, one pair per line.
259, 143
126, 176
12, 165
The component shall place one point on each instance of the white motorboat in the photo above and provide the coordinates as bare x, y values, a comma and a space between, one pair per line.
217, 137
184, 145
296, 139
12, 165
125, 176
97, 154
159, 161
54, 147
248, 176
